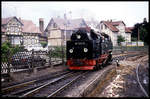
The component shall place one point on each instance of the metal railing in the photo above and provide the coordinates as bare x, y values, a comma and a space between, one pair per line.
28, 60
122, 49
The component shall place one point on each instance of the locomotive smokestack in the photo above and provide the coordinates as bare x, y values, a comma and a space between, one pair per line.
41, 25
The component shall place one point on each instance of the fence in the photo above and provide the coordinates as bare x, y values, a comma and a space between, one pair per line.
57, 54
28, 60
122, 49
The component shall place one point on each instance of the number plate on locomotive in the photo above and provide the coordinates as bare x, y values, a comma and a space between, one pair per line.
79, 43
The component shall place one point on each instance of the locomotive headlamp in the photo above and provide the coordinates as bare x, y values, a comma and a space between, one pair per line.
85, 50
71, 50
78, 36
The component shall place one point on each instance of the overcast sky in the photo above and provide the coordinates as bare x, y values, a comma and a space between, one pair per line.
129, 12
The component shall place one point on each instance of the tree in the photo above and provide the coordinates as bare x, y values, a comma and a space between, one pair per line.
143, 31
143, 34
120, 39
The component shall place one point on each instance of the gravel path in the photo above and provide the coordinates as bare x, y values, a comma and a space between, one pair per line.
125, 84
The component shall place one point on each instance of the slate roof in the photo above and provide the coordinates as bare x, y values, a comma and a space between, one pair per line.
71, 24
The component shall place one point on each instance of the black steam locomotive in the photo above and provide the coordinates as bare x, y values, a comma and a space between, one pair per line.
88, 50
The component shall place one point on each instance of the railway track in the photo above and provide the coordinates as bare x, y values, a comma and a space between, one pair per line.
66, 85
40, 88
138, 80
28, 85
49, 86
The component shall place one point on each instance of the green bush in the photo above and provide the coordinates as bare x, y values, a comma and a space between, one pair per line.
44, 44
7, 50
120, 39
56, 52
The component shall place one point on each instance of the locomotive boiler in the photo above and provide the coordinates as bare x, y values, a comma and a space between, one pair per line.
88, 50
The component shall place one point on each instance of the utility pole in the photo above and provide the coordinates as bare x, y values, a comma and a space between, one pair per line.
64, 38
138, 34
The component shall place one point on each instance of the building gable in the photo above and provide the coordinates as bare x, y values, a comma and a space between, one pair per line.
14, 22
9, 22
5, 21
110, 26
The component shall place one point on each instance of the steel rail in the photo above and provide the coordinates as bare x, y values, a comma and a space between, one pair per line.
17, 86
11, 88
141, 87
66, 85
91, 86
47, 84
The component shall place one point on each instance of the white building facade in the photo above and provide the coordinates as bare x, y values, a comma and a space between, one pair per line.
59, 30
20, 32
12, 30
114, 29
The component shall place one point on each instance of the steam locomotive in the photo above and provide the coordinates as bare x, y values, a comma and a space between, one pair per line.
88, 50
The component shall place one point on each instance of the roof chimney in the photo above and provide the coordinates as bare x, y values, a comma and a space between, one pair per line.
41, 25
19, 18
